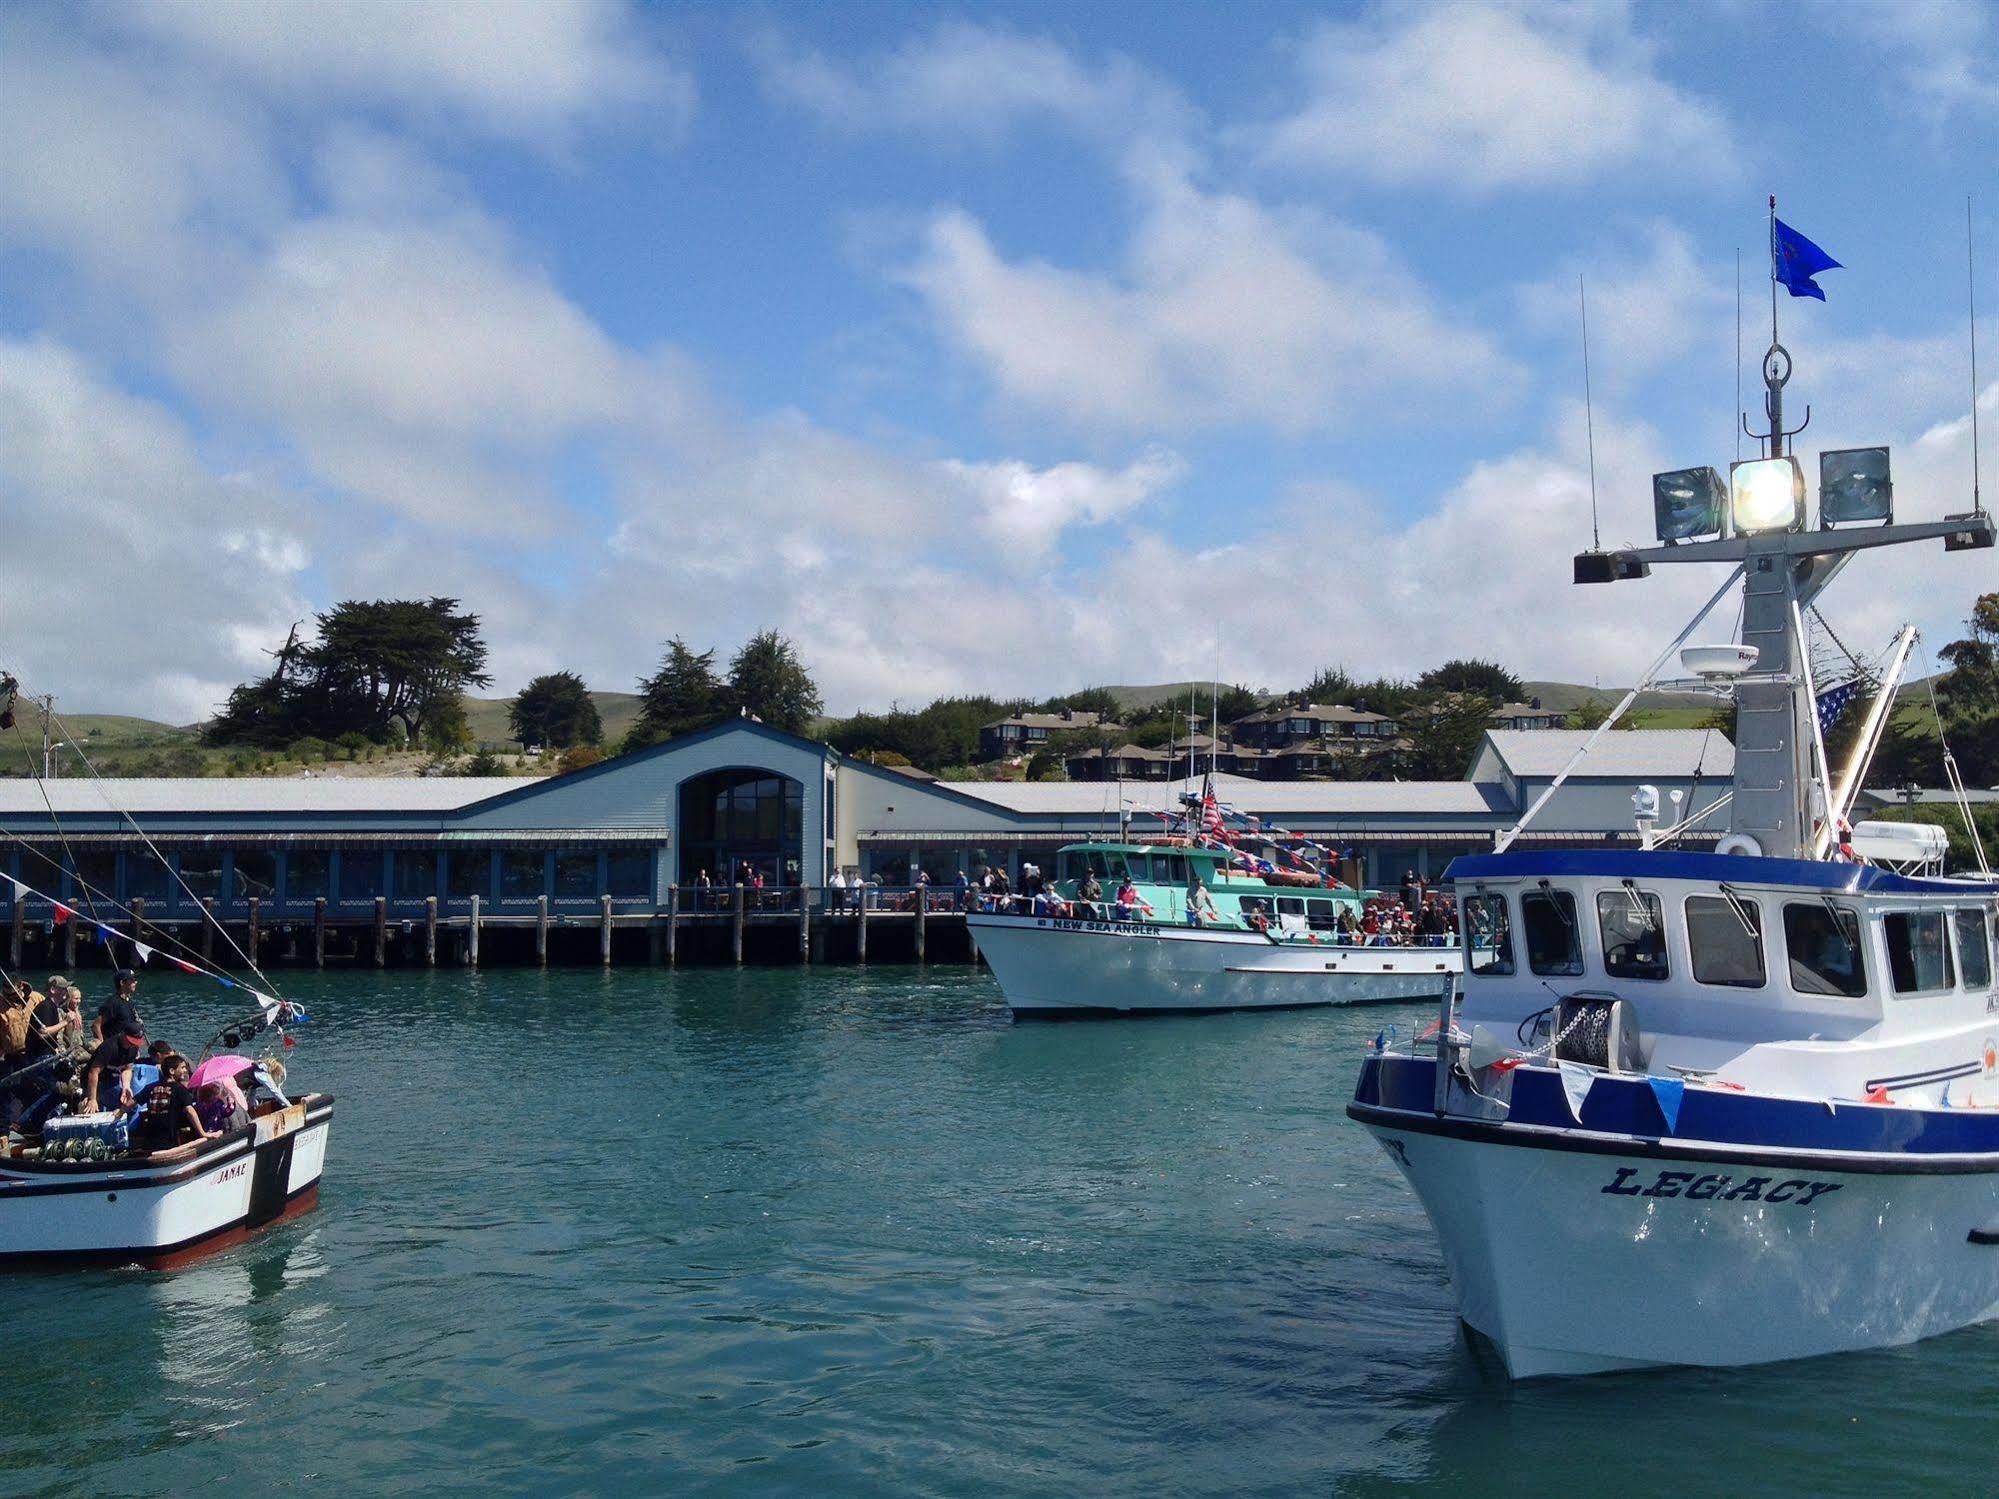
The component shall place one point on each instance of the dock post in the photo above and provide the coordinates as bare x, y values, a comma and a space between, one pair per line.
256, 928
430, 931
922, 919
472, 934
861, 923
69, 943
541, 931
738, 923
804, 923
319, 931
604, 932
655, 940
381, 931
207, 929
20, 925
138, 922
672, 925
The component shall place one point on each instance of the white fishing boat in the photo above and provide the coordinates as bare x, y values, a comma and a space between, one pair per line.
1222, 916
1733, 1107
79, 1186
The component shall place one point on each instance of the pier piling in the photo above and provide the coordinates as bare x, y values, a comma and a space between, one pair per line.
672, 925
256, 929
604, 931
381, 931
472, 935
804, 924
138, 918
69, 943
207, 929
430, 931
861, 926
319, 931
541, 931
14, 942
738, 925
922, 919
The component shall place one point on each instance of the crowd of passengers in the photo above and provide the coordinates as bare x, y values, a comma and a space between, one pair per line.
52, 1063
1414, 916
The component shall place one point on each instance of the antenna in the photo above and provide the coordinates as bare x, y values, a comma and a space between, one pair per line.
1738, 353
1971, 302
1589, 420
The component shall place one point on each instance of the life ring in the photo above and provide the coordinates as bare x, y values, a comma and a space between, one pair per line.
1740, 843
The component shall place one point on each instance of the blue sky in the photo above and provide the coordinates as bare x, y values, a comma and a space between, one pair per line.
1009, 348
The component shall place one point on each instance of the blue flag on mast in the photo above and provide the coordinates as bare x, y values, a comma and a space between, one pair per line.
1794, 260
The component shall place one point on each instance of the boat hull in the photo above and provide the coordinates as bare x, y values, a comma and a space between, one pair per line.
1580, 1255
162, 1216
1058, 966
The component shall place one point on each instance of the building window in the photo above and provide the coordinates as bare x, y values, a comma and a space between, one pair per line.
576, 874
361, 873
305, 874
469, 872
523, 873
1822, 946
255, 873
1554, 944
628, 874
733, 818
94, 874
1918, 959
416, 873
1725, 941
1634, 934
201, 874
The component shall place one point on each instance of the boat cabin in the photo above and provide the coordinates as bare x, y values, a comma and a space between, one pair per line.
1760, 970
1165, 870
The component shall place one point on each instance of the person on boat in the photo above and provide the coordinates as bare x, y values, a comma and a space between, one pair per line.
1345, 925
119, 1034
1090, 892
964, 888
168, 1117
1129, 901
1412, 891
1200, 904
222, 1110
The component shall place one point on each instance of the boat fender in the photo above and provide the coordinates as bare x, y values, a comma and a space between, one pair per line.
1740, 843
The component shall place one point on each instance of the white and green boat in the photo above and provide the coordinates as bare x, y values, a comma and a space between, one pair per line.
1274, 939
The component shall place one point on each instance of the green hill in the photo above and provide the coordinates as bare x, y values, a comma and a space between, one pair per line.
487, 717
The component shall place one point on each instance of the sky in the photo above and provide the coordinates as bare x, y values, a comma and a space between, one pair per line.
1009, 349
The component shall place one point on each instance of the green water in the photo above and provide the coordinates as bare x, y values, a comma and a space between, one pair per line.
847, 1232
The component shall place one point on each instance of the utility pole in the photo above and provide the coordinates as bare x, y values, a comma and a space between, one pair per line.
47, 701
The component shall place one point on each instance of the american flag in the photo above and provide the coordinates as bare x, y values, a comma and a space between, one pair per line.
1834, 701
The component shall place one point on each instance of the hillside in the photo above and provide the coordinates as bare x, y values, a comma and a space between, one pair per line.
487, 717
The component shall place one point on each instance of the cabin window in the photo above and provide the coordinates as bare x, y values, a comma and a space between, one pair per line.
1634, 934
1320, 915
1974, 950
1253, 905
1725, 941
1554, 945
1120, 867
1176, 868
1918, 958
1822, 942
1490, 933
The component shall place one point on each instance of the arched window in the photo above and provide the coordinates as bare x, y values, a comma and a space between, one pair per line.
742, 816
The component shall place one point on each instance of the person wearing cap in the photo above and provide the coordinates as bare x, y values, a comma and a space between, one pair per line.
119, 1033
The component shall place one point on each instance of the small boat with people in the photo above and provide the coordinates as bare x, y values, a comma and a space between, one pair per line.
1735, 1106
119, 1150
1218, 912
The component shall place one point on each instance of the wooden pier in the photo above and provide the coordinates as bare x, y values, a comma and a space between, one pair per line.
705, 926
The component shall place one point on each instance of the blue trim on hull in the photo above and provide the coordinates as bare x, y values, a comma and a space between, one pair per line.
1621, 1116
1675, 864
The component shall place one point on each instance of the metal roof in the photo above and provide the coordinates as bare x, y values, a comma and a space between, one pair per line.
1261, 798
1623, 754
143, 795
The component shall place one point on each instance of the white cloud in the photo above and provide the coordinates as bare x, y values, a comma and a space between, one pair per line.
1660, 305
1947, 51
512, 66
978, 82
1026, 509
136, 578
127, 170
1487, 97
1224, 312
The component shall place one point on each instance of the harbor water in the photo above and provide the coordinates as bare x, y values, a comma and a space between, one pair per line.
781, 1231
